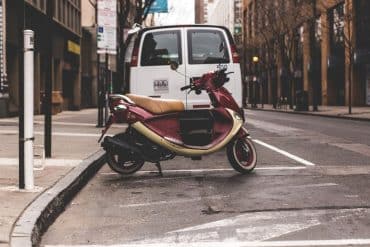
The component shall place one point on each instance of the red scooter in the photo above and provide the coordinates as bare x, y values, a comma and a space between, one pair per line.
158, 130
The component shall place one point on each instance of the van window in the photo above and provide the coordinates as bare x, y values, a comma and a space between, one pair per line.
160, 48
207, 47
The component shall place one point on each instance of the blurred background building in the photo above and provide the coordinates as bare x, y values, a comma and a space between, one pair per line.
308, 50
66, 63
300, 50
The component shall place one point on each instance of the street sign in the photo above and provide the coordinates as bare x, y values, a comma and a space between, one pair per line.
107, 27
159, 6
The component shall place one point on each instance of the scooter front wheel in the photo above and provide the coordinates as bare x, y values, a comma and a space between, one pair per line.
242, 155
120, 164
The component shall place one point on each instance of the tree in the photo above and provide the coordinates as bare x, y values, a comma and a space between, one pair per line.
343, 30
130, 12
280, 24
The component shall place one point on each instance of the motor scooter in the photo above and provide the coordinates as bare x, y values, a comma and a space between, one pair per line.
160, 129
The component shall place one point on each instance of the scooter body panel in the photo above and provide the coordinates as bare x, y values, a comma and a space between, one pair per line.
227, 129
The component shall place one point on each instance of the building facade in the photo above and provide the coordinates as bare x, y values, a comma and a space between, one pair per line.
57, 26
313, 48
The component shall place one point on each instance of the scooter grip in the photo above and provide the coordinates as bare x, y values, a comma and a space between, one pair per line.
185, 87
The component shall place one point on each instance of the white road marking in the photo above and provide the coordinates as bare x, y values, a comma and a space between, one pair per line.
285, 153
354, 147
271, 127
195, 199
314, 185
295, 243
48, 162
195, 171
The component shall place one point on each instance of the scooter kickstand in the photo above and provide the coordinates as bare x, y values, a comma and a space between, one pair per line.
158, 165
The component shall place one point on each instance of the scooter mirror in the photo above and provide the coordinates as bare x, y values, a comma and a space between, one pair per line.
174, 65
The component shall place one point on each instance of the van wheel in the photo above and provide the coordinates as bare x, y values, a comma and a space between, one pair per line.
120, 164
242, 155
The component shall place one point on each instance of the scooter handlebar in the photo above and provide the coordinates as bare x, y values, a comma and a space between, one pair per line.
185, 87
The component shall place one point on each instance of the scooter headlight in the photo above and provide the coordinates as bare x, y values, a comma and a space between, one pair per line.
120, 108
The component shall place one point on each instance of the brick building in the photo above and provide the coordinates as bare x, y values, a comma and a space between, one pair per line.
322, 50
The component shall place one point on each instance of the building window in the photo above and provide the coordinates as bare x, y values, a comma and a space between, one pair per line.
318, 31
336, 16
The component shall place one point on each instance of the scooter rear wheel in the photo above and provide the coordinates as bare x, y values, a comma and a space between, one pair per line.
120, 164
242, 155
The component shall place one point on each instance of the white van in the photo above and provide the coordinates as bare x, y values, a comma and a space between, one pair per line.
196, 48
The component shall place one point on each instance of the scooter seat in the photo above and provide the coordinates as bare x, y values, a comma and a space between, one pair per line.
157, 106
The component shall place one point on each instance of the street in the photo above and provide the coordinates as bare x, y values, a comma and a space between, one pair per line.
311, 187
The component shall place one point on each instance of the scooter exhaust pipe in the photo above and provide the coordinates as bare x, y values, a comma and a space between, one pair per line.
112, 143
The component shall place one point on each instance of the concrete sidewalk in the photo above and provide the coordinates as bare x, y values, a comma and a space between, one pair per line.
358, 113
24, 215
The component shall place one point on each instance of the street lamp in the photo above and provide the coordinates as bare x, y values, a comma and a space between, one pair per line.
255, 60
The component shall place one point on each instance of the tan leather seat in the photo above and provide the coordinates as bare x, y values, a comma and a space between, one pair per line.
157, 106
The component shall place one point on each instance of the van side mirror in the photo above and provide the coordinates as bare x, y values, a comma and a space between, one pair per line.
174, 65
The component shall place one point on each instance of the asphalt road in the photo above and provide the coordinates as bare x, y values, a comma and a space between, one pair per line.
311, 188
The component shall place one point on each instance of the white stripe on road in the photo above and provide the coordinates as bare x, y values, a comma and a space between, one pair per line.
196, 171
195, 199
226, 169
285, 153
295, 243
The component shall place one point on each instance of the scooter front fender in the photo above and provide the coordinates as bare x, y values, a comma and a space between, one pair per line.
243, 132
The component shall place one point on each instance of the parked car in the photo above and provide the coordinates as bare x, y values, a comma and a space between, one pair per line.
196, 48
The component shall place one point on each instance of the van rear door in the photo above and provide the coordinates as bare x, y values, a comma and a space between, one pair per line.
152, 76
209, 49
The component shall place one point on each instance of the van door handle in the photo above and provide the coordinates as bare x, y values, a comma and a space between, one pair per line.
154, 96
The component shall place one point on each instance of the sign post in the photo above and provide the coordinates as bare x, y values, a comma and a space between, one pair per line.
28, 108
3, 78
106, 45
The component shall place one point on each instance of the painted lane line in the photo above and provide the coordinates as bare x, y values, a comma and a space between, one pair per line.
285, 153
315, 185
295, 243
196, 199
195, 171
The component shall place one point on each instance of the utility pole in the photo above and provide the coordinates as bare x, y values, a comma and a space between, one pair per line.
49, 81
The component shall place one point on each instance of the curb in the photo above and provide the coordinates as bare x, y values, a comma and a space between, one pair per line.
41, 213
313, 114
